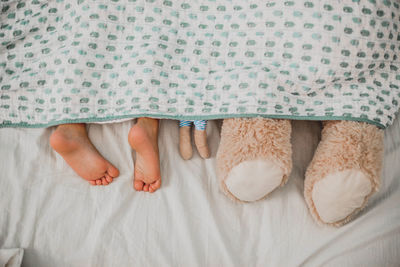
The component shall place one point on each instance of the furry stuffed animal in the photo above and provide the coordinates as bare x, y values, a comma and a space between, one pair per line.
313, 59
254, 158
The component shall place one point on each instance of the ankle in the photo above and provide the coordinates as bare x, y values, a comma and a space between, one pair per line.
149, 123
61, 140
150, 126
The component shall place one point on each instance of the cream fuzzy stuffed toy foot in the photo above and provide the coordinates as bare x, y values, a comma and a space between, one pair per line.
344, 172
254, 158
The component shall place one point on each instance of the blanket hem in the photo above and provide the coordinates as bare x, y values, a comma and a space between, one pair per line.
110, 119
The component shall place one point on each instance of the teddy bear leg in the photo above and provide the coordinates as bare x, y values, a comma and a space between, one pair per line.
344, 172
254, 157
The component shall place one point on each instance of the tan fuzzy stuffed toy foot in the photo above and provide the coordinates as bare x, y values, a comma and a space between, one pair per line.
344, 172
254, 157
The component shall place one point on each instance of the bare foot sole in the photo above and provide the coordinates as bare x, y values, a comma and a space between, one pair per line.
72, 143
143, 138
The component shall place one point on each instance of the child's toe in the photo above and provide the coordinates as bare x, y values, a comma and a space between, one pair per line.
104, 181
138, 185
154, 186
146, 187
108, 178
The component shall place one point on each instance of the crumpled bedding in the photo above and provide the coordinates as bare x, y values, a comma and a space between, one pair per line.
60, 220
11, 257
91, 60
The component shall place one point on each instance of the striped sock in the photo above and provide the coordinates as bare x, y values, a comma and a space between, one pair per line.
185, 123
200, 125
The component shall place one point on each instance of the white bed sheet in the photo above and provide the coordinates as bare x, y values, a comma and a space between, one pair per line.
60, 220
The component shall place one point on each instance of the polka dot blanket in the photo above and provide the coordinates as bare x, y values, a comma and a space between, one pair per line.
102, 60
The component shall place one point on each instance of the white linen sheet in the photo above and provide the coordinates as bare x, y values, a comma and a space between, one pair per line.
11, 257
60, 220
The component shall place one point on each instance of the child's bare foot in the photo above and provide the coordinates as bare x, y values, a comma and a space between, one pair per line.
72, 143
143, 137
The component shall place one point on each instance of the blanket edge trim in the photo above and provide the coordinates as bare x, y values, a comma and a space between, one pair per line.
110, 119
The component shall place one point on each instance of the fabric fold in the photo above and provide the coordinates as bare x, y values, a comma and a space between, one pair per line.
89, 60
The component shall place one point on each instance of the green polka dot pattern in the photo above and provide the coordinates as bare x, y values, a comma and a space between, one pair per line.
91, 60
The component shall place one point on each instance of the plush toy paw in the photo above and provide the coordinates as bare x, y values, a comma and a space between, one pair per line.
344, 172
251, 180
254, 157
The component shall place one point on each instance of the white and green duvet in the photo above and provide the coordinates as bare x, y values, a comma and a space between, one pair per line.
89, 60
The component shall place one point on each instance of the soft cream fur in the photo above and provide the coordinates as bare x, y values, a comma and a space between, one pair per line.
347, 150
339, 194
252, 180
245, 139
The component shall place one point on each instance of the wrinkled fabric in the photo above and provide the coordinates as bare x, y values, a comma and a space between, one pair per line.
11, 257
60, 220
91, 60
